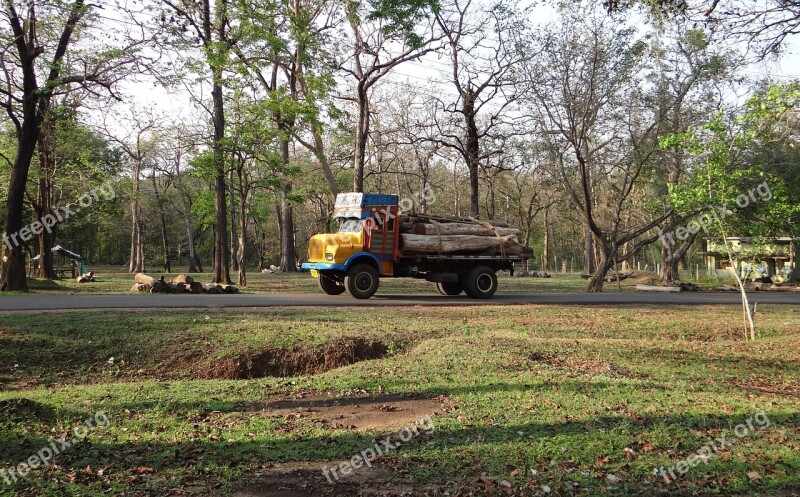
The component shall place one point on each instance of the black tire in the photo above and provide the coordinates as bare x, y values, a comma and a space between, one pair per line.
361, 281
453, 288
480, 282
329, 285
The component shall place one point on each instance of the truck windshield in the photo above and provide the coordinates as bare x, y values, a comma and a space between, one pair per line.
351, 225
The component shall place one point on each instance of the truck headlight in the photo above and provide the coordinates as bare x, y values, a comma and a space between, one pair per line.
328, 256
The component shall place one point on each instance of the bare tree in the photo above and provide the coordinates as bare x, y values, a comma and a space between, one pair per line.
376, 49
587, 94
134, 135
763, 26
480, 44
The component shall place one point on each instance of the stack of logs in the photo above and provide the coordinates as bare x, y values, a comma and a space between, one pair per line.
426, 234
178, 284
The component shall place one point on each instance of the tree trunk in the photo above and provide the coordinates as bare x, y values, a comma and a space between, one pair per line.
188, 222
136, 262
546, 243
461, 229
448, 244
241, 253
221, 269
234, 235
44, 199
472, 152
588, 250
603, 266
163, 218
362, 134
288, 254
14, 275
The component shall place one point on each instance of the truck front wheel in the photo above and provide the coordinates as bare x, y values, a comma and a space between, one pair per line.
329, 285
361, 281
480, 282
453, 288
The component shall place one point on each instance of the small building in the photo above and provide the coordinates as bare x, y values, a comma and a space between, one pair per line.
756, 258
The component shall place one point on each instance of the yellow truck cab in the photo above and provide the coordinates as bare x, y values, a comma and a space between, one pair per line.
367, 247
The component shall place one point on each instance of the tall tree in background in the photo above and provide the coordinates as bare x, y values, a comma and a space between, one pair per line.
208, 23
482, 51
587, 96
683, 70
383, 37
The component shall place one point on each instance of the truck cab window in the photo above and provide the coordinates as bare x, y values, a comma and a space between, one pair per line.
351, 225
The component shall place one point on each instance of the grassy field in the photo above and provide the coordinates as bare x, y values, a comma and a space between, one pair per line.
114, 280
525, 400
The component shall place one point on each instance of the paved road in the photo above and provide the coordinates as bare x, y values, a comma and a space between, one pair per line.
147, 301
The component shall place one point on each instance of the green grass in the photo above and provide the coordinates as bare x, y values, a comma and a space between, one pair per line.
114, 280
540, 395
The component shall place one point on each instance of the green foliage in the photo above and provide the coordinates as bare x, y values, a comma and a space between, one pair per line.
743, 165
400, 17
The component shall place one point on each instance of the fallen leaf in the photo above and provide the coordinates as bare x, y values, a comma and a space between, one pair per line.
754, 476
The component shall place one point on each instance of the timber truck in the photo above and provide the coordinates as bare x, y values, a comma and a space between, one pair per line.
369, 246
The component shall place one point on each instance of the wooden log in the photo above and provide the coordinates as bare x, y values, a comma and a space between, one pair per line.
654, 288
449, 244
181, 279
176, 287
462, 229
159, 286
144, 279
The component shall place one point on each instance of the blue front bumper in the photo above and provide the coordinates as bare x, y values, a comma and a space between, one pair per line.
323, 266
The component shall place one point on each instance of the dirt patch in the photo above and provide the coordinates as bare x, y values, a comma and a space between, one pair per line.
377, 412
642, 278
294, 361
307, 480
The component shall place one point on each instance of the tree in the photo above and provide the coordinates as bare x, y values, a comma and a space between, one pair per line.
764, 26
35, 69
587, 99
482, 50
685, 76
384, 36
189, 22
138, 145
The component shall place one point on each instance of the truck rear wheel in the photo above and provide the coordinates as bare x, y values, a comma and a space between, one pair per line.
453, 288
329, 285
361, 281
480, 282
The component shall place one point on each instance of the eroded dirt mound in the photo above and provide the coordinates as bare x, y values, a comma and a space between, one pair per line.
378, 412
295, 361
